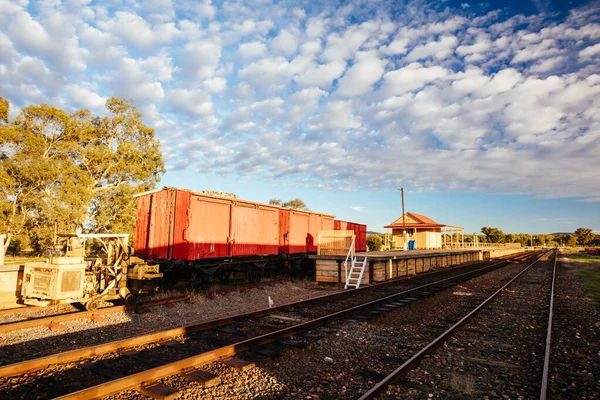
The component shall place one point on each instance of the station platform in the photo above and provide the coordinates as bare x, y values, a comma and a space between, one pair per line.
392, 264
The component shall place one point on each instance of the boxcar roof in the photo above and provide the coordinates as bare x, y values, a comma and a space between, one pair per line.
228, 198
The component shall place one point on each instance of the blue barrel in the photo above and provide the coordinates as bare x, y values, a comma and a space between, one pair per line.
411, 244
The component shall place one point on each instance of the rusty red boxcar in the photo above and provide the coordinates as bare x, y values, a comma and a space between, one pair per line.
208, 236
299, 230
180, 224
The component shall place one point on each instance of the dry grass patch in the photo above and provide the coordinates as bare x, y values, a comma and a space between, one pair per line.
464, 384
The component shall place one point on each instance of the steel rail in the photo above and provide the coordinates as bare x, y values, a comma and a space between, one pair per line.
385, 382
544, 388
91, 351
154, 374
18, 310
70, 316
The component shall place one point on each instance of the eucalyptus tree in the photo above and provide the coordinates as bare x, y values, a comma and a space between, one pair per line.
64, 172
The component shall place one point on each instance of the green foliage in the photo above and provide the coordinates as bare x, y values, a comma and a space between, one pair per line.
584, 236
374, 242
295, 204
15, 247
4, 107
493, 235
63, 172
571, 241
275, 202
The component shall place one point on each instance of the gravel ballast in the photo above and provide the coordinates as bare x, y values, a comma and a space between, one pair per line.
40, 341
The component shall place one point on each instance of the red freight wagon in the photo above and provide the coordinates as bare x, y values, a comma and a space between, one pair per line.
180, 224
360, 233
299, 230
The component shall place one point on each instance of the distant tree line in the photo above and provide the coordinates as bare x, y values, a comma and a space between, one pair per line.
581, 236
62, 172
296, 204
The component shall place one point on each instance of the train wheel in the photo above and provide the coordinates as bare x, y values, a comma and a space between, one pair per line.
254, 275
130, 299
92, 305
223, 275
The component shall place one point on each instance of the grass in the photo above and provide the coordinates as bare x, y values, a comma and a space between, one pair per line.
587, 269
20, 260
591, 282
464, 384
584, 257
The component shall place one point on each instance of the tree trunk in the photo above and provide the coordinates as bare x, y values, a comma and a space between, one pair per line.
6, 242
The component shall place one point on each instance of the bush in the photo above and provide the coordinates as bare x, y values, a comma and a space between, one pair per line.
374, 242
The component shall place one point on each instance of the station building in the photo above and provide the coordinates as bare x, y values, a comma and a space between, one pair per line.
423, 233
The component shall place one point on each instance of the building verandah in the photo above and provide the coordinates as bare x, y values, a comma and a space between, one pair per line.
453, 237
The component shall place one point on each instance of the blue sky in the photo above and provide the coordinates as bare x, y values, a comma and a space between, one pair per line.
487, 113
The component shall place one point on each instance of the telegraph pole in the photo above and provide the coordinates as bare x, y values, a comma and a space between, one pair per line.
403, 221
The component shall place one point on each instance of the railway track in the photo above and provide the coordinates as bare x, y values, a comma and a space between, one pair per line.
488, 343
138, 363
53, 321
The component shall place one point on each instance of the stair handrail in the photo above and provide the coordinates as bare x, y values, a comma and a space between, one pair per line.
352, 258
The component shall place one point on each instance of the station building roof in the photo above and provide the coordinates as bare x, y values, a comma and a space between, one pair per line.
414, 220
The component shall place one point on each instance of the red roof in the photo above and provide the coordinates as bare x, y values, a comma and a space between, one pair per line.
423, 219
425, 222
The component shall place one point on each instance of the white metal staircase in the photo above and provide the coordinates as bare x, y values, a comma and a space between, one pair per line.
357, 270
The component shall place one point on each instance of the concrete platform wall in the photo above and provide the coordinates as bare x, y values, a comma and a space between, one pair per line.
492, 253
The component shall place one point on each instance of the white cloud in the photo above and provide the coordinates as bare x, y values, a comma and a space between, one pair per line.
589, 52
135, 30
351, 89
103, 46
85, 98
548, 64
398, 46
51, 39
336, 116
439, 49
251, 50
285, 42
204, 8
359, 79
216, 85
342, 47
321, 75
201, 58
544, 49
413, 76
195, 103
131, 81
309, 95
266, 71
315, 27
